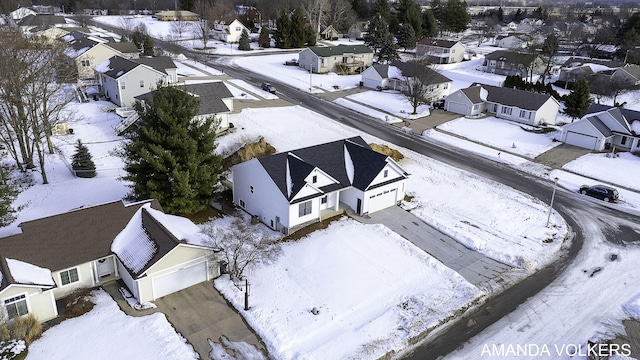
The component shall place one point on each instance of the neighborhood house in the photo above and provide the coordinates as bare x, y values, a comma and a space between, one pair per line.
341, 59
291, 189
399, 75
155, 254
604, 127
439, 51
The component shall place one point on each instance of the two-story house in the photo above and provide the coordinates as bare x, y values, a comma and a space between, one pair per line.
341, 59
506, 62
439, 51
229, 33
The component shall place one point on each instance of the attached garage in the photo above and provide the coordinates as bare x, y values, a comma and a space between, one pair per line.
371, 83
179, 279
457, 108
382, 199
581, 140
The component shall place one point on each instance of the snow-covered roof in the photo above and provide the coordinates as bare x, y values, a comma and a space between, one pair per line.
133, 245
25, 273
182, 228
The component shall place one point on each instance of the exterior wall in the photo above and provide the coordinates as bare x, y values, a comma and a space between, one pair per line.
294, 214
85, 279
224, 120
350, 198
547, 113
628, 145
584, 127
41, 304
132, 88
371, 79
110, 89
266, 201
307, 59
322, 65
128, 280
392, 173
95, 56
400, 185
438, 91
441, 55
235, 30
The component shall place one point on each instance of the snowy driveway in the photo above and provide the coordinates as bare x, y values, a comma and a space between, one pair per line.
475, 267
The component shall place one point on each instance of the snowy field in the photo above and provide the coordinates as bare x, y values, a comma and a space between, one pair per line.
107, 333
364, 109
391, 102
502, 134
623, 169
367, 306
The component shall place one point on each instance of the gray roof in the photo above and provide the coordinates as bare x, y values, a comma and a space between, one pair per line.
69, 239
632, 69
118, 66
382, 70
160, 63
325, 51
617, 113
42, 21
473, 93
428, 75
437, 42
210, 96
630, 115
599, 125
506, 96
124, 47
328, 157
82, 42
510, 57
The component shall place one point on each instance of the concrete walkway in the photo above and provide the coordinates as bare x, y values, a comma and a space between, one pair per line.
198, 313
472, 265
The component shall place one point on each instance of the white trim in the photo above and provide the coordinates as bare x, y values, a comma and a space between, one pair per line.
26, 299
71, 268
53, 302
182, 266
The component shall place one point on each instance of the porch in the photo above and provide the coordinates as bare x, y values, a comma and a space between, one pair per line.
324, 214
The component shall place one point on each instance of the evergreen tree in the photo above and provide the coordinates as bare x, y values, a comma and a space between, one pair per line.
8, 193
437, 8
310, 36
172, 157
244, 43
377, 35
297, 30
82, 162
578, 100
281, 34
388, 50
455, 17
147, 46
382, 8
429, 24
263, 39
413, 17
406, 37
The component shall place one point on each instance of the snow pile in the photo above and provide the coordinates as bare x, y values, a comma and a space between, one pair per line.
25, 273
632, 307
350, 291
103, 66
241, 350
107, 333
182, 228
133, 246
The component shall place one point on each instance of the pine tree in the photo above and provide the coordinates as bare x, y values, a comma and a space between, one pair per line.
377, 35
172, 157
263, 39
406, 37
388, 50
244, 43
578, 100
82, 162
429, 24
283, 28
8, 193
147, 45
297, 30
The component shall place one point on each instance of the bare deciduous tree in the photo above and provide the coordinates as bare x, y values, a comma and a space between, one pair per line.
242, 246
420, 78
315, 12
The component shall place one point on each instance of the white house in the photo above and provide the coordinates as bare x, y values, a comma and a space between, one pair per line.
604, 127
506, 103
440, 51
342, 59
396, 75
291, 189
229, 33
154, 253
121, 80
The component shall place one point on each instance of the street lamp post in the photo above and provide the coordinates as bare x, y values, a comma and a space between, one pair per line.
553, 195
310, 74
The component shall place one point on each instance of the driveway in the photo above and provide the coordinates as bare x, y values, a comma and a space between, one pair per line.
198, 313
560, 155
437, 117
475, 267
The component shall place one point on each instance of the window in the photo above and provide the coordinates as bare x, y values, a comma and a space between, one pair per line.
314, 179
251, 189
445, 86
69, 276
122, 85
16, 306
304, 208
453, 51
506, 110
86, 63
623, 141
525, 114
385, 173
495, 108
475, 107
242, 203
238, 28
492, 63
142, 83
323, 200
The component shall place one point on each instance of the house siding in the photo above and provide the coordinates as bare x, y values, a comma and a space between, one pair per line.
584, 127
40, 304
85, 275
132, 88
95, 56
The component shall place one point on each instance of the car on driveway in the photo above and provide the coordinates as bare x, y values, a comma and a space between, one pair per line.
438, 104
601, 192
268, 87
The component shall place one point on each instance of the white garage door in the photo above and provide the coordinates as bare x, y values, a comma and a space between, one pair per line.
457, 108
371, 83
585, 141
382, 200
178, 280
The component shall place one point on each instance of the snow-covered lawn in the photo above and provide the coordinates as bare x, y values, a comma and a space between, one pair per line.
107, 333
623, 169
363, 109
391, 102
502, 134
373, 290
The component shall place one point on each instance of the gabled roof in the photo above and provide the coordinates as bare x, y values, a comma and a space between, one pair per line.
513, 97
430, 76
599, 125
475, 94
124, 47
325, 51
42, 21
69, 239
618, 114
633, 70
160, 63
437, 42
210, 96
511, 57
116, 66
289, 169
630, 115
81, 43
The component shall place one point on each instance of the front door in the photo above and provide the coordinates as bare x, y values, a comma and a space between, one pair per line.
359, 206
105, 267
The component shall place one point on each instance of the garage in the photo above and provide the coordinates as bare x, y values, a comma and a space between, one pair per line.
180, 279
371, 83
581, 140
457, 108
382, 200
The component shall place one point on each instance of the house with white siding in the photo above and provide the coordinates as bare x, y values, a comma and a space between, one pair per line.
288, 190
604, 127
398, 75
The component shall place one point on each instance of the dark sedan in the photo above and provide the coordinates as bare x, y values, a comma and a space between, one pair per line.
600, 191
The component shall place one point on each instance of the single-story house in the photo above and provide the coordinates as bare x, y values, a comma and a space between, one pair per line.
396, 75
358, 30
121, 80
512, 41
506, 62
342, 59
32, 24
628, 75
291, 189
175, 15
603, 127
215, 100
154, 253
440, 51
505, 103
329, 33
229, 33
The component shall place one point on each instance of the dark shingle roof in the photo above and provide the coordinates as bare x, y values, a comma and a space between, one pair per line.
83, 42
629, 114
506, 96
599, 125
325, 51
69, 239
209, 94
473, 93
42, 21
382, 70
429, 76
119, 66
437, 42
511, 57
328, 157
160, 63
124, 47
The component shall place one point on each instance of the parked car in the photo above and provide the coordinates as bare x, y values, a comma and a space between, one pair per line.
601, 192
269, 88
438, 104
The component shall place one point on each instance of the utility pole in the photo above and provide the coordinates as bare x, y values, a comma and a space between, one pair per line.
246, 294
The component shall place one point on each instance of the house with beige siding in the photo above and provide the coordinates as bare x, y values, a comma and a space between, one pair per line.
84, 248
87, 52
341, 59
